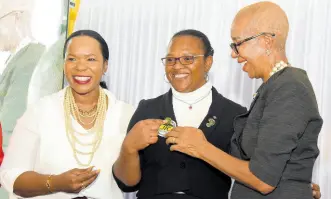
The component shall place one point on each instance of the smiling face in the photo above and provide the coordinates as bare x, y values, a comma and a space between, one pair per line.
252, 54
187, 78
84, 64
268, 24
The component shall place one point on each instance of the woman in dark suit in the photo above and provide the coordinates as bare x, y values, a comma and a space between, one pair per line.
275, 142
146, 162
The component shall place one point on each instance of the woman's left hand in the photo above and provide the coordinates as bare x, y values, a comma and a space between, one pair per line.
188, 140
316, 191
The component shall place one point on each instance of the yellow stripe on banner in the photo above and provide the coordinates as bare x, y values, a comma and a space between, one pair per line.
73, 11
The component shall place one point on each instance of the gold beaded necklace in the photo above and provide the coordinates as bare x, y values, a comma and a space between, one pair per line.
71, 109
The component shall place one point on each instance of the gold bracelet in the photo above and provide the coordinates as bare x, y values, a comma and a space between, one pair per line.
48, 183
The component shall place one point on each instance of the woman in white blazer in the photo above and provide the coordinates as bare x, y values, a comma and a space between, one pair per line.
65, 144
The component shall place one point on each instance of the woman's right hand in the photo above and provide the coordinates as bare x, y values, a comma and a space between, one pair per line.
143, 134
74, 180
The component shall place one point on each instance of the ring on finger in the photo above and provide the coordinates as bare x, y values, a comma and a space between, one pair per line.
83, 187
174, 140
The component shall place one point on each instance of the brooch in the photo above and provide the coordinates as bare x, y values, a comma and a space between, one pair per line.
211, 122
168, 126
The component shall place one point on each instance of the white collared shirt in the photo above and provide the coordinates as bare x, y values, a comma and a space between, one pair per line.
39, 143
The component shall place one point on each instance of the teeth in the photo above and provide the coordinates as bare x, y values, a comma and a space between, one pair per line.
181, 75
83, 79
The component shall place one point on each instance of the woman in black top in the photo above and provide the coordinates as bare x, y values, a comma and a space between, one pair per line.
146, 163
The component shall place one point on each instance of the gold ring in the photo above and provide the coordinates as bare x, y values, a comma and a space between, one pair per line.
83, 187
174, 140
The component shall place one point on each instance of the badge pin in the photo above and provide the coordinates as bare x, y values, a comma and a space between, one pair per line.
165, 128
254, 95
211, 122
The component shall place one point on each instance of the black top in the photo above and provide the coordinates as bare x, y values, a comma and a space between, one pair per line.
278, 136
166, 172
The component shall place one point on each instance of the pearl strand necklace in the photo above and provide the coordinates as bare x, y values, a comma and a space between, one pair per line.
70, 108
278, 67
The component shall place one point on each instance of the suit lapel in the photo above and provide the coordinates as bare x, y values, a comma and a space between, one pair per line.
214, 114
239, 123
256, 96
240, 120
168, 109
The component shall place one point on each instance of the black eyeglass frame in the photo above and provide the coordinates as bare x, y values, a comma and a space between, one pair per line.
234, 46
179, 59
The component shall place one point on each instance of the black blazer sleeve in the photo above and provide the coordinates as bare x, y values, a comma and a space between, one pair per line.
137, 116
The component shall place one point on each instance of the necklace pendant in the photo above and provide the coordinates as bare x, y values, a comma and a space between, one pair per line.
190, 107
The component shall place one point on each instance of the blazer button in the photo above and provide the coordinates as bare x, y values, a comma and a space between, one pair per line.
182, 165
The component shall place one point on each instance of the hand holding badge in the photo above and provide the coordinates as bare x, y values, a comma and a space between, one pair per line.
166, 127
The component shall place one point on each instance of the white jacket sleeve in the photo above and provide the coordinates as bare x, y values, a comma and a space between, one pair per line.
124, 119
23, 148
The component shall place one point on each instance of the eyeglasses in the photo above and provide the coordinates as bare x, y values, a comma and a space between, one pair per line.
184, 60
234, 46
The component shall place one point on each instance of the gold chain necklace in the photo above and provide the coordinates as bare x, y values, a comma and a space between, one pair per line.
88, 114
70, 108
196, 101
74, 109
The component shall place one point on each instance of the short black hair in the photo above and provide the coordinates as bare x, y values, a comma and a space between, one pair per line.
103, 84
94, 35
209, 51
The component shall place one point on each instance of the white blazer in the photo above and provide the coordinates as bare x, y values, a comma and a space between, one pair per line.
39, 143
